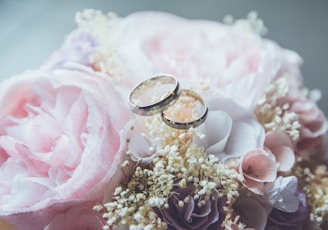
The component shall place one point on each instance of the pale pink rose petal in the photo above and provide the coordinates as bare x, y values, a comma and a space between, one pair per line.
62, 141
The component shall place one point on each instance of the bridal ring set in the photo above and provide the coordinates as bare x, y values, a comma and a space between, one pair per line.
179, 108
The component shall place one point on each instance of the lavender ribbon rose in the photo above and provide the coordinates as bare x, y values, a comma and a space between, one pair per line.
190, 215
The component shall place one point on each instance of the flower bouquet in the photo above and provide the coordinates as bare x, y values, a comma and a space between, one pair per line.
153, 121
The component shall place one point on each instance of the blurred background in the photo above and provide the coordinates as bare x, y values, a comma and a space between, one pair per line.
30, 30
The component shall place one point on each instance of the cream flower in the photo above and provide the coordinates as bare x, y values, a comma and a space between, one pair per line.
229, 130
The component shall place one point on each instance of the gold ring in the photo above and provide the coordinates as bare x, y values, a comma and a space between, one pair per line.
159, 92
184, 107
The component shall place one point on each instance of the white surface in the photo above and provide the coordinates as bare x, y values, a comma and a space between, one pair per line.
30, 30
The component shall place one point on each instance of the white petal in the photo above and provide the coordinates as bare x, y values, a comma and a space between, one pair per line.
140, 149
281, 194
216, 129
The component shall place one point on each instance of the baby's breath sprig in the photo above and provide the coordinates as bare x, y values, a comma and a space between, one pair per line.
314, 182
100, 25
179, 163
250, 24
274, 116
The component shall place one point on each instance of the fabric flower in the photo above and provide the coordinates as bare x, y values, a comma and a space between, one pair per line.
281, 193
191, 215
230, 131
79, 217
292, 221
256, 174
61, 142
282, 148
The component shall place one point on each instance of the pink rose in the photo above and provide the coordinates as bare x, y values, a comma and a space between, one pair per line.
61, 142
148, 43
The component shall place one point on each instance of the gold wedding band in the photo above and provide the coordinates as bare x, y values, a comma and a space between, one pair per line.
195, 120
156, 103
180, 109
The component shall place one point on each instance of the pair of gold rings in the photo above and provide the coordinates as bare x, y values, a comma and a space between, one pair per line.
179, 108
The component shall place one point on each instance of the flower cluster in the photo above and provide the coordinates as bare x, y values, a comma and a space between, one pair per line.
73, 155
182, 187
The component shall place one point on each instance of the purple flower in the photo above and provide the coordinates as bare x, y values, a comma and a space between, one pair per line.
192, 216
291, 221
